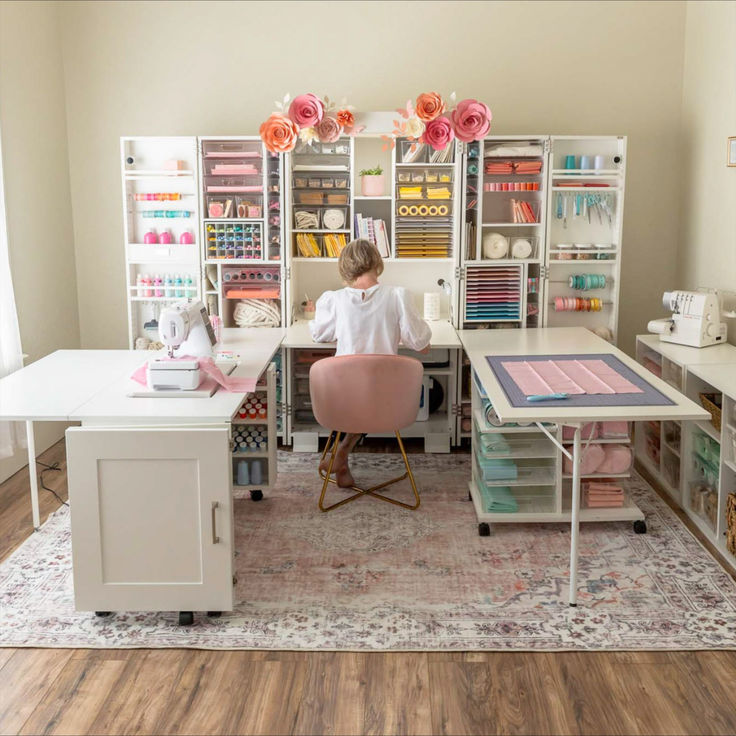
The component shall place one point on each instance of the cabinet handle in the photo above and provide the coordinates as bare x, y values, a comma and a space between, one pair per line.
215, 506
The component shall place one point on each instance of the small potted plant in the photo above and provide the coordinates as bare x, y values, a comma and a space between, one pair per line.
371, 182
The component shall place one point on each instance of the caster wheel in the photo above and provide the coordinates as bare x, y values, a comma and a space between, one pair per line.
103, 614
470, 497
214, 614
484, 530
640, 526
186, 618
256, 495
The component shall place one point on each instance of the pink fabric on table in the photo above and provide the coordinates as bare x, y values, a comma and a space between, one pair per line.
591, 457
588, 431
208, 367
569, 377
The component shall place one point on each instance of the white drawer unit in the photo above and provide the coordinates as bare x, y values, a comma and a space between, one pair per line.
151, 519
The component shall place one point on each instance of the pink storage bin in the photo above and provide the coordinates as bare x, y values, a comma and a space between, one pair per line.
617, 460
592, 457
589, 431
614, 430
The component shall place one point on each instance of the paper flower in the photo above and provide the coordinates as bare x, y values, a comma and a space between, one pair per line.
438, 133
307, 135
279, 133
413, 128
471, 120
429, 106
328, 130
345, 118
306, 110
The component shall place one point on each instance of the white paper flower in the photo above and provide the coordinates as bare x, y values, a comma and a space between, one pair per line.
414, 127
307, 135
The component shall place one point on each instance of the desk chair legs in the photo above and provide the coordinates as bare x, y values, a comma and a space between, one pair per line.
331, 446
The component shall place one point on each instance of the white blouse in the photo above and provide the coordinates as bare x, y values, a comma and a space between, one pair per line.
370, 320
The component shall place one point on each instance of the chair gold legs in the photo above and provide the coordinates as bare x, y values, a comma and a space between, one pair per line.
332, 442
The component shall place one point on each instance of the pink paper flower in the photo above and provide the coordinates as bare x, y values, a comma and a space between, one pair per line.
429, 106
438, 133
328, 130
306, 110
471, 120
279, 133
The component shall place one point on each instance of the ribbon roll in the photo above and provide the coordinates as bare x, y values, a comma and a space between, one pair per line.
423, 210
403, 210
413, 210
442, 210
433, 210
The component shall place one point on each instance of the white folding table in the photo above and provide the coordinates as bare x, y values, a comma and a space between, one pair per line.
479, 344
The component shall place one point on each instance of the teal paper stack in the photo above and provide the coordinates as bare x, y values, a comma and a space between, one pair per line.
497, 468
498, 499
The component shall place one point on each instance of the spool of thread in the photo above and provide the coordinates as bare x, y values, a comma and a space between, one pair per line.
164, 238
256, 472
585, 162
243, 473
150, 237
569, 162
472, 169
432, 306
599, 162
186, 238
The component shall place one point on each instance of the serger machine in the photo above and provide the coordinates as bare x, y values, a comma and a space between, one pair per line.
186, 330
695, 320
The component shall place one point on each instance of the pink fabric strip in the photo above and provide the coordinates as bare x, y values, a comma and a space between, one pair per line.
208, 367
569, 377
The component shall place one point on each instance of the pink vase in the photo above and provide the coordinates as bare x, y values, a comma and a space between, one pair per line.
371, 186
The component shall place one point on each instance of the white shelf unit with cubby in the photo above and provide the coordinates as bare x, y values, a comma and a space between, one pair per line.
255, 470
503, 238
160, 204
242, 229
309, 167
700, 474
529, 485
585, 208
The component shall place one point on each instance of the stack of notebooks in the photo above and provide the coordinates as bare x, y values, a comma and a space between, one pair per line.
375, 231
603, 495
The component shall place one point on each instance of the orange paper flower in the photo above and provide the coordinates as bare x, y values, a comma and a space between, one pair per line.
429, 106
279, 133
346, 119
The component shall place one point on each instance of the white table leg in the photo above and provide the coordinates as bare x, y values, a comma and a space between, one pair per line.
32, 475
575, 517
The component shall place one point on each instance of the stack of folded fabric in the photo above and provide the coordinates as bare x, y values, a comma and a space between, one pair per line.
498, 500
495, 469
499, 167
528, 167
494, 444
603, 495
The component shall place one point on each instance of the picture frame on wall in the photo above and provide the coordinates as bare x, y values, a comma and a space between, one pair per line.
731, 151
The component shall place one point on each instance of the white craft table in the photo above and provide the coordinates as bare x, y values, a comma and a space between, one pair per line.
560, 341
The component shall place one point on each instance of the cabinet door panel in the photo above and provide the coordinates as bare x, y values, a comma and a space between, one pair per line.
151, 518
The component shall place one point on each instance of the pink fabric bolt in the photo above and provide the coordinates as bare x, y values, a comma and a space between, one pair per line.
209, 368
568, 377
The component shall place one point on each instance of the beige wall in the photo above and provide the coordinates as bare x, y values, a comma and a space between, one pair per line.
35, 163
214, 68
708, 219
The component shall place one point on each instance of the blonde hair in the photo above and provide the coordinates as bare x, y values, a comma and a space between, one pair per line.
358, 257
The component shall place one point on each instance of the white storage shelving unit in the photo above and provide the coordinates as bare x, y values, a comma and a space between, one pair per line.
699, 471
143, 172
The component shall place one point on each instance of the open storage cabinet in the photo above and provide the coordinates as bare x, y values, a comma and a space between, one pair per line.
161, 226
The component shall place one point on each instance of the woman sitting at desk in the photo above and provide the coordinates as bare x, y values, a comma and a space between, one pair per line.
365, 317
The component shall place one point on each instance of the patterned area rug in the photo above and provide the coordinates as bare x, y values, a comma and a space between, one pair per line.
371, 576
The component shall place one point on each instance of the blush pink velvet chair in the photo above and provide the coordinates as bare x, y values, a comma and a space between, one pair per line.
365, 394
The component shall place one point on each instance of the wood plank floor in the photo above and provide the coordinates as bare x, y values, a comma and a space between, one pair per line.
77, 691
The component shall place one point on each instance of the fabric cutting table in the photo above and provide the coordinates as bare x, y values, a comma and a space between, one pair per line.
479, 344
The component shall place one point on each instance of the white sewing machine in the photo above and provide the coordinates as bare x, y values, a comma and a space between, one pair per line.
185, 329
695, 321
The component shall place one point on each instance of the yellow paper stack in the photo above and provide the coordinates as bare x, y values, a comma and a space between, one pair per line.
308, 245
438, 193
410, 192
334, 243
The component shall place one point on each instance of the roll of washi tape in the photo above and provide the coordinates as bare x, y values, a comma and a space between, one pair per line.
413, 210
423, 210
433, 209
403, 210
442, 210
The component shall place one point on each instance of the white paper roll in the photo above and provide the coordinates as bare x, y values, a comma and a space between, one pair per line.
432, 306
660, 326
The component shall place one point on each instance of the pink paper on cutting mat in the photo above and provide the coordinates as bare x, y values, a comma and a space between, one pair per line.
212, 372
568, 377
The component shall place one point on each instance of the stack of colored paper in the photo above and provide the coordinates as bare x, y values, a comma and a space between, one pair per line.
438, 193
603, 495
410, 192
498, 500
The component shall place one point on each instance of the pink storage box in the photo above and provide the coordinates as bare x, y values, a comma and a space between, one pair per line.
589, 431
617, 460
592, 457
614, 430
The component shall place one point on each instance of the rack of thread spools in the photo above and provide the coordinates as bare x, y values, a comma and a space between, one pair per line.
253, 439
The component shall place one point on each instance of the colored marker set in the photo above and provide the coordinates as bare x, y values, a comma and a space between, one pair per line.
167, 285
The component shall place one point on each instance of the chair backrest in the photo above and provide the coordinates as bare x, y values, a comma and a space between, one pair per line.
366, 393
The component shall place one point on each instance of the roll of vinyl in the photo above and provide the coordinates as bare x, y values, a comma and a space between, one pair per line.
333, 219
423, 210
404, 210
521, 248
495, 246
433, 209
442, 210
432, 305
413, 210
